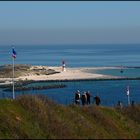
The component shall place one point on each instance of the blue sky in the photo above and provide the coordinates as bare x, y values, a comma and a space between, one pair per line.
69, 22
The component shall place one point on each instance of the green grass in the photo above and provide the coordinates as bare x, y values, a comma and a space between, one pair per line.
34, 117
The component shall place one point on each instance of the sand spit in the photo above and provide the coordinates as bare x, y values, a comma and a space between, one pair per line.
69, 74
49, 73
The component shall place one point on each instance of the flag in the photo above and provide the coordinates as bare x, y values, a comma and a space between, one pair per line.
127, 91
14, 53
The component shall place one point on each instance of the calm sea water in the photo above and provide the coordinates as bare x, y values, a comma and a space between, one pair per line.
82, 56
74, 55
126, 72
109, 91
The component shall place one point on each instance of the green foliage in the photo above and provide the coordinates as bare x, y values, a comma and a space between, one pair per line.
34, 117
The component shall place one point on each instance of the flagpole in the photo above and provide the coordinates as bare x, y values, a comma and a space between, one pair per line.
13, 79
128, 99
128, 92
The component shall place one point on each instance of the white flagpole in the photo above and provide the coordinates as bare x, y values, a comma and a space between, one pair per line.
128, 92
13, 79
128, 100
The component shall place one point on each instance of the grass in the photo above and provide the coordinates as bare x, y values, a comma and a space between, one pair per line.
22, 70
34, 117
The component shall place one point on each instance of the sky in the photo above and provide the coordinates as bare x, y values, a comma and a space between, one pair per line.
69, 22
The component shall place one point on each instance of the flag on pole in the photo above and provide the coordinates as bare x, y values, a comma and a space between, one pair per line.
127, 91
14, 53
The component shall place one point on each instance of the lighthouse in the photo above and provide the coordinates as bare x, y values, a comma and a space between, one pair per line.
63, 66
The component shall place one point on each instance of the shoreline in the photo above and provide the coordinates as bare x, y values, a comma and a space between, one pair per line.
71, 74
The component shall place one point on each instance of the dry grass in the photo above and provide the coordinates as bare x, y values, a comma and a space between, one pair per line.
38, 117
22, 70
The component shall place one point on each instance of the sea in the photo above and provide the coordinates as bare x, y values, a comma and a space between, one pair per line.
97, 55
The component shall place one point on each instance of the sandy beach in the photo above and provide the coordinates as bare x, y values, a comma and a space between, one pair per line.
69, 74
79, 73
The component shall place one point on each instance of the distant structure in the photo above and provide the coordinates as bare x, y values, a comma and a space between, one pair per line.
63, 66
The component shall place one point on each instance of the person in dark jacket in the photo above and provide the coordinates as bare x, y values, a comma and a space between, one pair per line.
97, 100
88, 97
84, 98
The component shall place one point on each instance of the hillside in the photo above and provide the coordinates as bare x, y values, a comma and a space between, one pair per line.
37, 117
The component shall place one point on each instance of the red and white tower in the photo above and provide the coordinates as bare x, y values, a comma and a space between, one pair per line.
63, 66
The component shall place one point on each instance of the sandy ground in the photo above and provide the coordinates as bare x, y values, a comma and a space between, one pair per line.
69, 74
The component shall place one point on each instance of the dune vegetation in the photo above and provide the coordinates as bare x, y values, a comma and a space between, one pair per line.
34, 117
24, 70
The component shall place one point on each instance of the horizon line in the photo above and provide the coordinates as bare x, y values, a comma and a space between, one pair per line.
12, 44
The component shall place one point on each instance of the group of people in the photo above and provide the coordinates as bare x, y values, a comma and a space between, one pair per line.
85, 98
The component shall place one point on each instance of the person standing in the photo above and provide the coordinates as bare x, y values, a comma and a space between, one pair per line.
97, 100
84, 98
77, 97
120, 105
88, 94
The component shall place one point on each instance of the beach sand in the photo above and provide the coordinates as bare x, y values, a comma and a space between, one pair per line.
80, 73
69, 74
